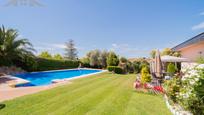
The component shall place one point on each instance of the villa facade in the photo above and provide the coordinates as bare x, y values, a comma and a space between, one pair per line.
192, 48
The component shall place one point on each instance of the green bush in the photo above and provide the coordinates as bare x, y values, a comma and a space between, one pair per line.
50, 64
111, 68
115, 69
171, 69
145, 76
118, 70
172, 88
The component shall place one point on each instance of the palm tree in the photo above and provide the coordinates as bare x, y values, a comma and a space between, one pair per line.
12, 48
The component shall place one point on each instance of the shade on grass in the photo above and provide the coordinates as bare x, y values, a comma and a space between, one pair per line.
103, 94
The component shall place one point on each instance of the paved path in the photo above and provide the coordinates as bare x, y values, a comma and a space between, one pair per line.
8, 93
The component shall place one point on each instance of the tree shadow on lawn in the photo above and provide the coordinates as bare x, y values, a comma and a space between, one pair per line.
2, 106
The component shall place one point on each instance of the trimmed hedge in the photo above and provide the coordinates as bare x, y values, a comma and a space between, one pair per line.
115, 69
51, 64
111, 68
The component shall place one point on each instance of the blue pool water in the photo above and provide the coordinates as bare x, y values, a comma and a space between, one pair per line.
45, 78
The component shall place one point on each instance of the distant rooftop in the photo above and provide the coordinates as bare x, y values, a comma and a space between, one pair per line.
196, 39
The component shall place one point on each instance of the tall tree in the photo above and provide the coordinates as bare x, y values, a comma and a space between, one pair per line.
112, 59
45, 54
123, 60
103, 58
153, 53
71, 51
169, 51
13, 48
94, 58
57, 57
166, 51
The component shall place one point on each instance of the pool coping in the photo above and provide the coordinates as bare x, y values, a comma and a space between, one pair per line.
13, 80
82, 76
64, 70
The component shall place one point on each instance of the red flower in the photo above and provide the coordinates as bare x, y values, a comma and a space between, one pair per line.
158, 88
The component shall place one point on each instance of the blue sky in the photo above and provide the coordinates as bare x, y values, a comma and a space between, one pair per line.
129, 27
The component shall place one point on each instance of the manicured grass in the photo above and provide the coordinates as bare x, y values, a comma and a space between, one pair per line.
103, 94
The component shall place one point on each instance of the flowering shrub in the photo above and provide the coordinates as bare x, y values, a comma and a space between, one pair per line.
188, 91
148, 87
172, 88
191, 94
159, 89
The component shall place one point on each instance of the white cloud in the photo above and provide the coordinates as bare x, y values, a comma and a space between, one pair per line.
61, 46
198, 26
53, 45
49, 46
114, 45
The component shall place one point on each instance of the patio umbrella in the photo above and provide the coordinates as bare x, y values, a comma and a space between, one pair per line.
152, 67
158, 65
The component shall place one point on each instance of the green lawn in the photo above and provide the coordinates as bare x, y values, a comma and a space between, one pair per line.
103, 94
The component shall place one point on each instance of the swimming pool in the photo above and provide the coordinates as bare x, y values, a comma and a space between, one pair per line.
45, 78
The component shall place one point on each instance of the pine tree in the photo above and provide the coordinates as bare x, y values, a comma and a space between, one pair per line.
71, 51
